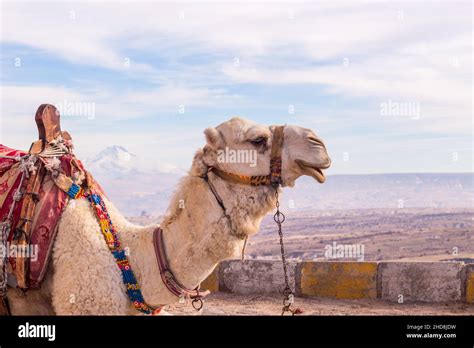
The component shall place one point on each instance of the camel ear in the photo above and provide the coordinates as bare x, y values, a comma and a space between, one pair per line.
213, 138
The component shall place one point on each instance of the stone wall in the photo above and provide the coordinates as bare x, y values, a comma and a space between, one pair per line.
391, 281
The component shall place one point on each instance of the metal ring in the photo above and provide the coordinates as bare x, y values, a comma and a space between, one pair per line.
199, 304
279, 217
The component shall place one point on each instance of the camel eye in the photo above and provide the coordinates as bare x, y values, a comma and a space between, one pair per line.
259, 141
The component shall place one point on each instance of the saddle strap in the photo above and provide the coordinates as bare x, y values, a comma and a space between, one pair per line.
22, 233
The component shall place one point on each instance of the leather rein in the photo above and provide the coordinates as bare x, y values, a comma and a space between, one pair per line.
272, 179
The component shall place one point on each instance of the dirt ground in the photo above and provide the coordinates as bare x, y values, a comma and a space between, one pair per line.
232, 304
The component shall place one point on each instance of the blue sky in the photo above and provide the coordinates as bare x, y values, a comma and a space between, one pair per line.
334, 63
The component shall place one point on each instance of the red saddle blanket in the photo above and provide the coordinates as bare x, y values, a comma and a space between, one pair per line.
47, 212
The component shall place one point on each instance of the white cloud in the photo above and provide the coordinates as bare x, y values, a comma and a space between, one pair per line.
381, 39
403, 51
19, 104
18, 100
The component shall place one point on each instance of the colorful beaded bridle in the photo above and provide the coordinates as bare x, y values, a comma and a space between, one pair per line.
272, 179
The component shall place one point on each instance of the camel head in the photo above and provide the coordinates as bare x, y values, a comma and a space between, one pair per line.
243, 147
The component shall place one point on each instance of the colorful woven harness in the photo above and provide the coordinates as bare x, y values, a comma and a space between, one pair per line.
111, 238
133, 288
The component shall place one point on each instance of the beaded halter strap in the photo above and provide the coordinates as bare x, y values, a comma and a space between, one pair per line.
273, 178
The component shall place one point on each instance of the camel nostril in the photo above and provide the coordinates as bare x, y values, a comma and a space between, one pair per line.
316, 141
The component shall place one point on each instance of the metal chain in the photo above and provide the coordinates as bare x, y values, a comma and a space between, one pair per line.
289, 298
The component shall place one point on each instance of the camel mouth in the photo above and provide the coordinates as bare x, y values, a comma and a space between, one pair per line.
311, 170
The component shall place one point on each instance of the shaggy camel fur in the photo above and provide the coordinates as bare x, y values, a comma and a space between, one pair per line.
83, 278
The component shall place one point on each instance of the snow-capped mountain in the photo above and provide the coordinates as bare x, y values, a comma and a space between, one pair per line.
113, 160
133, 189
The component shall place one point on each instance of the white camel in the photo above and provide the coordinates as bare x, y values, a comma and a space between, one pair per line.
83, 278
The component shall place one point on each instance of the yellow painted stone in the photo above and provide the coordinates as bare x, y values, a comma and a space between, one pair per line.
470, 286
211, 283
341, 280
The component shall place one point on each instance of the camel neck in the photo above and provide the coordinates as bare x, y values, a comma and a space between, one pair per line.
197, 235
